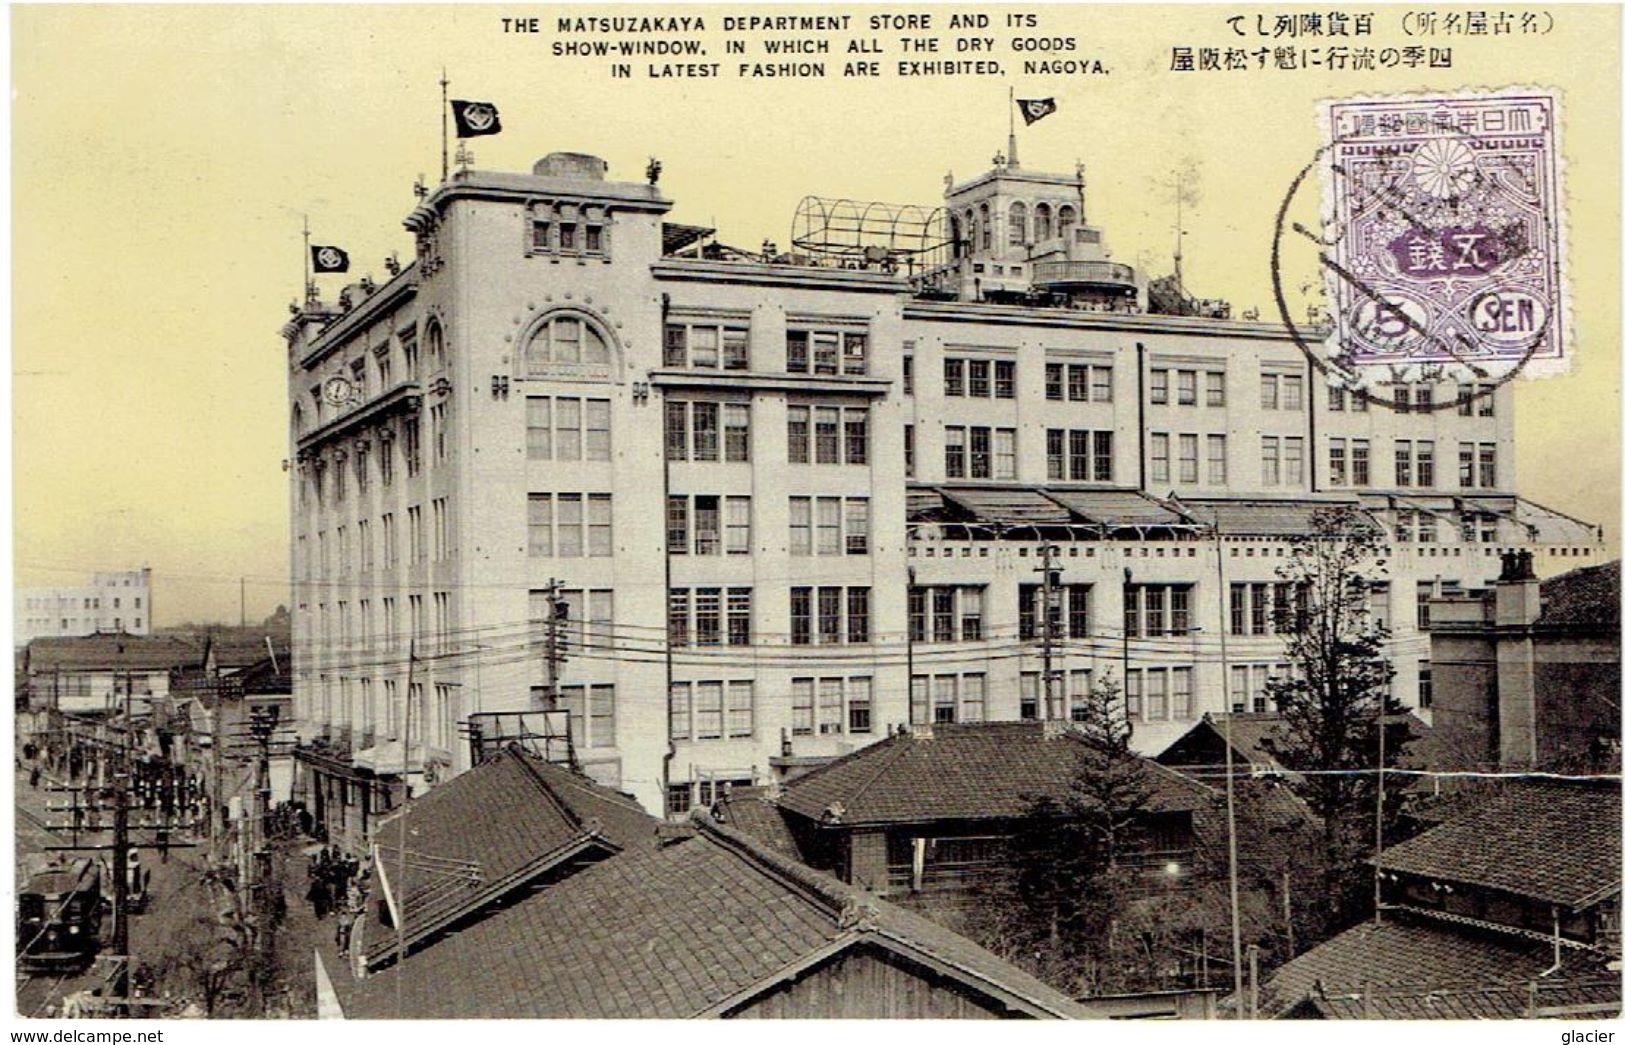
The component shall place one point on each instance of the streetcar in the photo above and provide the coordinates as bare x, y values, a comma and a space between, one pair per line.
59, 917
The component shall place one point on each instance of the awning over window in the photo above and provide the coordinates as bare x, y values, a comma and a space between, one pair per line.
1265, 518
1013, 506
1119, 508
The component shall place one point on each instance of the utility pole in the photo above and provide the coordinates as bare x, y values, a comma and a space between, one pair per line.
1047, 596
262, 725
1128, 594
558, 615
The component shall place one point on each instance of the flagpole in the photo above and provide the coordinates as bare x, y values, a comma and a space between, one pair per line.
1012, 158
304, 288
445, 161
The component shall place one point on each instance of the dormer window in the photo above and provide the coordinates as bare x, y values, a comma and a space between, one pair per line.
568, 228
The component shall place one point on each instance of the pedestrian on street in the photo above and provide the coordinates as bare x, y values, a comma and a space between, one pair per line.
319, 897
341, 932
33, 778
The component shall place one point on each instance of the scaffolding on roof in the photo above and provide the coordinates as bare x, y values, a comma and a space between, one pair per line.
871, 233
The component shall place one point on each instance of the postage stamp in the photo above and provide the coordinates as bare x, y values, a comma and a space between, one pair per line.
1443, 223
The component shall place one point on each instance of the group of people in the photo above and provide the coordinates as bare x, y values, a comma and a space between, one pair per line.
338, 885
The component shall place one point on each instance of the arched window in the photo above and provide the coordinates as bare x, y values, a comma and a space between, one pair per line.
1018, 224
565, 339
298, 419
955, 237
1041, 226
435, 339
1065, 218
970, 230
987, 229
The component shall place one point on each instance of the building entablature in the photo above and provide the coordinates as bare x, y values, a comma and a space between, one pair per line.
809, 277
504, 187
750, 380
343, 329
404, 398
1083, 319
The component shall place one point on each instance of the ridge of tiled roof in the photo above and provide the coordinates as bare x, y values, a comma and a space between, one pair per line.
110, 650
1552, 841
969, 771
1588, 595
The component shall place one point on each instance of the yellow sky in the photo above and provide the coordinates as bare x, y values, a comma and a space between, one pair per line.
163, 156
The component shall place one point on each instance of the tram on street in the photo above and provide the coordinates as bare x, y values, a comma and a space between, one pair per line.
59, 917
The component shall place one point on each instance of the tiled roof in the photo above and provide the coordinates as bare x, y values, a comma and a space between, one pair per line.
1546, 840
1589, 595
751, 813
963, 771
694, 928
1010, 506
110, 651
492, 829
1253, 733
1409, 968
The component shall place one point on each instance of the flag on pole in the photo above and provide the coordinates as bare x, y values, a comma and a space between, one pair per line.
1035, 109
475, 118
328, 259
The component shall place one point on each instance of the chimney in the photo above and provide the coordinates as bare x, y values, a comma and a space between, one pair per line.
1517, 592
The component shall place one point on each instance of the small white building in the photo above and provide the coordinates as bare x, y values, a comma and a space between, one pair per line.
119, 601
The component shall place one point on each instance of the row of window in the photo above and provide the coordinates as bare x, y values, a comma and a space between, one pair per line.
1180, 386
707, 431
1281, 460
1190, 449
979, 378
361, 557
58, 602
1268, 608
1078, 455
383, 369
1472, 399
566, 428
828, 434
707, 524
828, 706
67, 624
571, 525
1047, 223
1077, 383
829, 616
976, 452
708, 616
1349, 463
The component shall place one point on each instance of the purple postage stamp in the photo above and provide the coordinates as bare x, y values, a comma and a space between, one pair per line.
1444, 215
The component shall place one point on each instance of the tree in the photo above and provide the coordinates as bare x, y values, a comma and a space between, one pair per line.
1058, 908
1333, 700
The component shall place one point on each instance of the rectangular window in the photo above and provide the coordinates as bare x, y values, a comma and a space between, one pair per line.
677, 524
857, 526
597, 422
600, 525
829, 525
1078, 455
1424, 684
1100, 384
707, 616
1468, 464
954, 452
676, 431
1291, 392
707, 710
1424, 398
1218, 461
1424, 463
1077, 383
1402, 399
739, 616
1186, 387
707, 524
1187, 459
953, 377
736, 432
799, 434
1270, 464
858, 707
1336, 399
795, 351
827, 434
908, 371
1004, 453
856, 423
829, 616
978, 378
832, 352
738, 525
801, 526
801, 707
1133, 703
1004, 379
1486, 465
705, 431
830, 706
1159, 386
1103, 457
1159, 457
1360, 462
1156, 694
1054, 382
1055, 454
1337, 458
540, 527
1292, 460
1402, 462
1215, 388
1270, 391
741, 708
908, 451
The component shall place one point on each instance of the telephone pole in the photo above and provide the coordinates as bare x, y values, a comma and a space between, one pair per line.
558, 615
1048, 593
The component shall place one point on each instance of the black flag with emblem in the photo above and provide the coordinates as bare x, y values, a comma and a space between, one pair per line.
1035, 109
475, 118
329, 259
